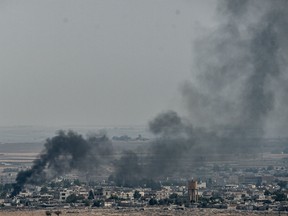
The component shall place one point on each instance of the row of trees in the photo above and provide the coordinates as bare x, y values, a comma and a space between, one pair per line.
73, 198
173, 199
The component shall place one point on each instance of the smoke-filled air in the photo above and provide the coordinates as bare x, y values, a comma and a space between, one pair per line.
236, 97
240, 71
237, 93
63, 153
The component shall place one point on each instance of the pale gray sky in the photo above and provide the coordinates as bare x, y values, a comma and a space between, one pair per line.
97, 62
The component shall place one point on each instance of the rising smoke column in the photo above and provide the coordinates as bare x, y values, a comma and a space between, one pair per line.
241, 70
239, 86
167, 155
239, 82
128, 171
176, 144
173, 139
63, 153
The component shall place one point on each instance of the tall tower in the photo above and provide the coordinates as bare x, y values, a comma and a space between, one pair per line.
193, 191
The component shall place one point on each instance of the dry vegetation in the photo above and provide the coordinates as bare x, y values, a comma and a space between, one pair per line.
138, 212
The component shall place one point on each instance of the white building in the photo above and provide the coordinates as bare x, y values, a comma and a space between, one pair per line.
64, 194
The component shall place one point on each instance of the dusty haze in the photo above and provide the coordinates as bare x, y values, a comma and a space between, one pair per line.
95, 62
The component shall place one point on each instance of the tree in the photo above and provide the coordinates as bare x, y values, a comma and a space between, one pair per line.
282, 184
77, 182
86, 202
66, 183
173, 196
3, 195
71, 198
179, 202
97, 203
153, 201
58, 212
162, 202
115, 197
279, 196
44, 190
267, 193
137, 195
91, 195
55, 184
48, 213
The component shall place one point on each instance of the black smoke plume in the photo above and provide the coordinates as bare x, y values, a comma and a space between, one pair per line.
238, 93
131, 171
237, 96
239, 81
240, 74
174, 142
174, 138
128, 170
63, 153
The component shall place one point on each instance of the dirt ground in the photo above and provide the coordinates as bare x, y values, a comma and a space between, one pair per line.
138, 212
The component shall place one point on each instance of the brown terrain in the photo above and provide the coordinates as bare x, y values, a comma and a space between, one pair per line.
138, 212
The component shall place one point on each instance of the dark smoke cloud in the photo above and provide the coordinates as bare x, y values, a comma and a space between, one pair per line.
166, 124
128, 171
238, 95
173, 146
239, 83
132, 171
177, 144
63, 153
238, 90
174, 139
239, 69
163, 154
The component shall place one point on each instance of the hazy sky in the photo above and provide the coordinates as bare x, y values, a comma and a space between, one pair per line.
66, 62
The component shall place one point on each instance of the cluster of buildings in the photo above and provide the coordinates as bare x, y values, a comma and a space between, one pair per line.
254, 189
262, 187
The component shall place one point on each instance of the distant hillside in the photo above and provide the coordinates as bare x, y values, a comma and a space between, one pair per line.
38, 134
